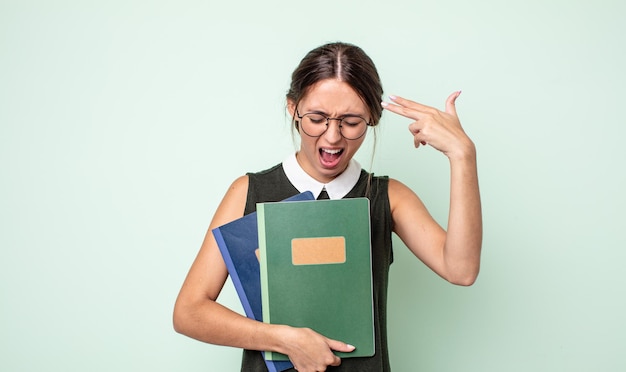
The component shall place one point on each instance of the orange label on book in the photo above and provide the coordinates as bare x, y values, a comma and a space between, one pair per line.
318, 251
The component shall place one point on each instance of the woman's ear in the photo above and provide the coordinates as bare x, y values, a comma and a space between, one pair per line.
291, 108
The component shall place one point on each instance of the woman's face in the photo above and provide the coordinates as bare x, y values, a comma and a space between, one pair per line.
326, 156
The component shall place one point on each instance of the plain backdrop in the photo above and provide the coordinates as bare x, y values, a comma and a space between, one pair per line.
122, 124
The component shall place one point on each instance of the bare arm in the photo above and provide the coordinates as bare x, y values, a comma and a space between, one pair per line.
198, 315
453, 254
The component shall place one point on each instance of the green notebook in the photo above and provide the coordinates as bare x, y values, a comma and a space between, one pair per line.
316, 269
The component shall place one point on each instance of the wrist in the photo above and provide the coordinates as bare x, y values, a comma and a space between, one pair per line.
279, 337
464, 153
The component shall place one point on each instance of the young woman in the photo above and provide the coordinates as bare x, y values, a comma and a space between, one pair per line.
335, 95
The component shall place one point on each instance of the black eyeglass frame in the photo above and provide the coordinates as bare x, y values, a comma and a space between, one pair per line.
328, 119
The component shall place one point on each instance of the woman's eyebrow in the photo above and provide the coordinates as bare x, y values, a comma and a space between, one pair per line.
321, 112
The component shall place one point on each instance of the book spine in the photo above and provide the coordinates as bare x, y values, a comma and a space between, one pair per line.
265, 302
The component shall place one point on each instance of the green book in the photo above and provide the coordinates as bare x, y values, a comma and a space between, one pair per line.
316, 269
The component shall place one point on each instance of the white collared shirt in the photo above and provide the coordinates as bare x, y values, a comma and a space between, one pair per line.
336, 189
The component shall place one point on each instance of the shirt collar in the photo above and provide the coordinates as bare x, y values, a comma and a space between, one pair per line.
336, 189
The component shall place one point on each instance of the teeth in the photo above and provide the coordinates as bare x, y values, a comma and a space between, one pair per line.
331, 151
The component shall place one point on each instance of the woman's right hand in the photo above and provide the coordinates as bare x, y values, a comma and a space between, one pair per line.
311, 352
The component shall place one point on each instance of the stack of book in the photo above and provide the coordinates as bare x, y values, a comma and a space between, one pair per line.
305, 263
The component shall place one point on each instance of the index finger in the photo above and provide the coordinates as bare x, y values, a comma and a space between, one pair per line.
405, 107
400, 101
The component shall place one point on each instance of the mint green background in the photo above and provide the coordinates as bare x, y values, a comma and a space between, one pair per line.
122, 123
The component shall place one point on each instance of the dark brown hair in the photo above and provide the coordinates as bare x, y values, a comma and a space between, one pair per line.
345, 62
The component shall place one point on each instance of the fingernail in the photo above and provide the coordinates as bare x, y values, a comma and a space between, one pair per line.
350, 346
384, 104
392, 97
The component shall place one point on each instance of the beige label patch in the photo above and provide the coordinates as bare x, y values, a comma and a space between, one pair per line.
318, 251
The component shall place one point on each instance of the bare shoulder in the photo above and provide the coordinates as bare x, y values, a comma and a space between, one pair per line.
395, 185
400, 194
233, 203
240, 182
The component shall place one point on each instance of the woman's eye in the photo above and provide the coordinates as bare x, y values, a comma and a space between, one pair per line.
353, 122
317, 119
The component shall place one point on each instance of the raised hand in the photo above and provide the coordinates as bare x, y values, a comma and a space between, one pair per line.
439, 129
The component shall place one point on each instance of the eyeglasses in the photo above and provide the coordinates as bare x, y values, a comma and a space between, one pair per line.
315, 124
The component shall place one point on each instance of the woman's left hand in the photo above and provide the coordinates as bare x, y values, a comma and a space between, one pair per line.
454, 254
439, 129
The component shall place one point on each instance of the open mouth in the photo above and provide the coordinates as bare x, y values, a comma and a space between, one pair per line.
330, 157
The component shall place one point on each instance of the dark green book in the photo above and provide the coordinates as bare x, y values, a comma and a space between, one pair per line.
316, 269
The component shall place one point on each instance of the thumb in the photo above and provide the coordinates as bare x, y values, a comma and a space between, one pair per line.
451, 103
340, 346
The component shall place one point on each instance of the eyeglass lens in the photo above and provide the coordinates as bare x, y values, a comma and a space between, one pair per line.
351, 127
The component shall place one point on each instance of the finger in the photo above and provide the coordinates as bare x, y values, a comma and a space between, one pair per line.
418, 140
408, 103
418, 136
415, 127
407, 108
451, 103
401, 110
340, 346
